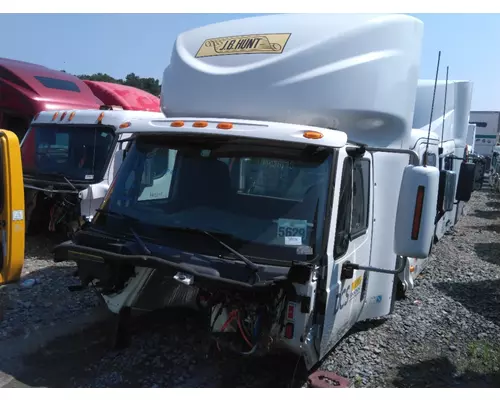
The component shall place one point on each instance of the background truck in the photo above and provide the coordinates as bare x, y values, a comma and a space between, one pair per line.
70, 157
487, 129
27, 89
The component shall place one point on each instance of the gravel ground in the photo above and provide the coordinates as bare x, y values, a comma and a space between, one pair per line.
446, 333
24, 310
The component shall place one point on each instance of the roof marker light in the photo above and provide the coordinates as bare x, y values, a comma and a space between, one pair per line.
62, 116
177, 124
100, 118
200, 124
312, 135
55, 115
225, 125
71, 116
125, 125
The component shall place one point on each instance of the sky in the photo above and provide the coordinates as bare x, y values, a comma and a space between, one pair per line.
118, 44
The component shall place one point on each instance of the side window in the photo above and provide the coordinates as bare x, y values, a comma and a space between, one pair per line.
344, 214
360, 198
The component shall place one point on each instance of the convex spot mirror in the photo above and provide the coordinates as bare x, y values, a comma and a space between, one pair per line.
466, 180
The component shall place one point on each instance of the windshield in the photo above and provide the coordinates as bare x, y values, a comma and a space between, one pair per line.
78, 152
267, 200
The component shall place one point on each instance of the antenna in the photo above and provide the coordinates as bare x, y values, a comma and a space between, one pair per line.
444, 109
432, 109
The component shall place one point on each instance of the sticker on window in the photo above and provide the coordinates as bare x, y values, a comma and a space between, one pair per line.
88, 177
293, 240
294, 231
304, 250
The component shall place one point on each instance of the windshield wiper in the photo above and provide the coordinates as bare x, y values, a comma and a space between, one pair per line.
61, 175
250, 264
134, 233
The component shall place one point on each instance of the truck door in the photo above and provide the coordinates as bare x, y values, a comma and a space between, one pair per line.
352, 243
11, 208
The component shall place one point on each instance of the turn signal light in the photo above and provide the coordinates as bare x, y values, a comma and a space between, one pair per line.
200, 124
225, 125
312, 135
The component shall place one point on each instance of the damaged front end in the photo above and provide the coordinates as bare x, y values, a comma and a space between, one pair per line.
53, 208
66, 174
230, 226
272, 310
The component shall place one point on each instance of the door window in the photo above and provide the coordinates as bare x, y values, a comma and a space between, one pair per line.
354, 204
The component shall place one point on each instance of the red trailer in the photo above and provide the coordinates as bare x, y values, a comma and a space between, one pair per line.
26, 89
127, 97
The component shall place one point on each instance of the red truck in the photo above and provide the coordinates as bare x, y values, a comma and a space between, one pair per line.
27, 89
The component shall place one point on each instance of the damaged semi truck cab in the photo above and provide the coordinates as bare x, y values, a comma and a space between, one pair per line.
280, 197
69, 160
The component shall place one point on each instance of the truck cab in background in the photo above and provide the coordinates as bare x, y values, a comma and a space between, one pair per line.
27, 89
70, 158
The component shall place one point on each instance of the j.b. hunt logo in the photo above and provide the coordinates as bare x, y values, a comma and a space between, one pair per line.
348, 293
273, 43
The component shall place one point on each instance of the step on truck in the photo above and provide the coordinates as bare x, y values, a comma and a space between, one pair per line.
70, 158
280, 198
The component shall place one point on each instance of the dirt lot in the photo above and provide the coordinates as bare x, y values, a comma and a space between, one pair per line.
446, 333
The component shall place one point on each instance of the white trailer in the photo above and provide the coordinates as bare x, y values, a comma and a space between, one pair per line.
487, 130
293, 198
70, 158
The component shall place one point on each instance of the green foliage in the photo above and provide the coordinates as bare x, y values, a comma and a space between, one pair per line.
150, 85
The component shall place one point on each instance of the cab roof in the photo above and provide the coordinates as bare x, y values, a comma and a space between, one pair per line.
44, 85
356, 73
128, 97
264, 130
90, 117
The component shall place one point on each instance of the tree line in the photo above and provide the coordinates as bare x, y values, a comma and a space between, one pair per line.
150, 85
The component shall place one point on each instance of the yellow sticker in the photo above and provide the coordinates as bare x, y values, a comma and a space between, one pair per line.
272, 43
356, 283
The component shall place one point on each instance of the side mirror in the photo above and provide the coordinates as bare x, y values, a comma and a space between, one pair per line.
414, 231
466, 180
118, 160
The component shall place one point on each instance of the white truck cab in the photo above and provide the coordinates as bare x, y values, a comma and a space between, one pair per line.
69, 159
280, 196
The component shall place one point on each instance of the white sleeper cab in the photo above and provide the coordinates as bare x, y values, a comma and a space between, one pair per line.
285, 192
